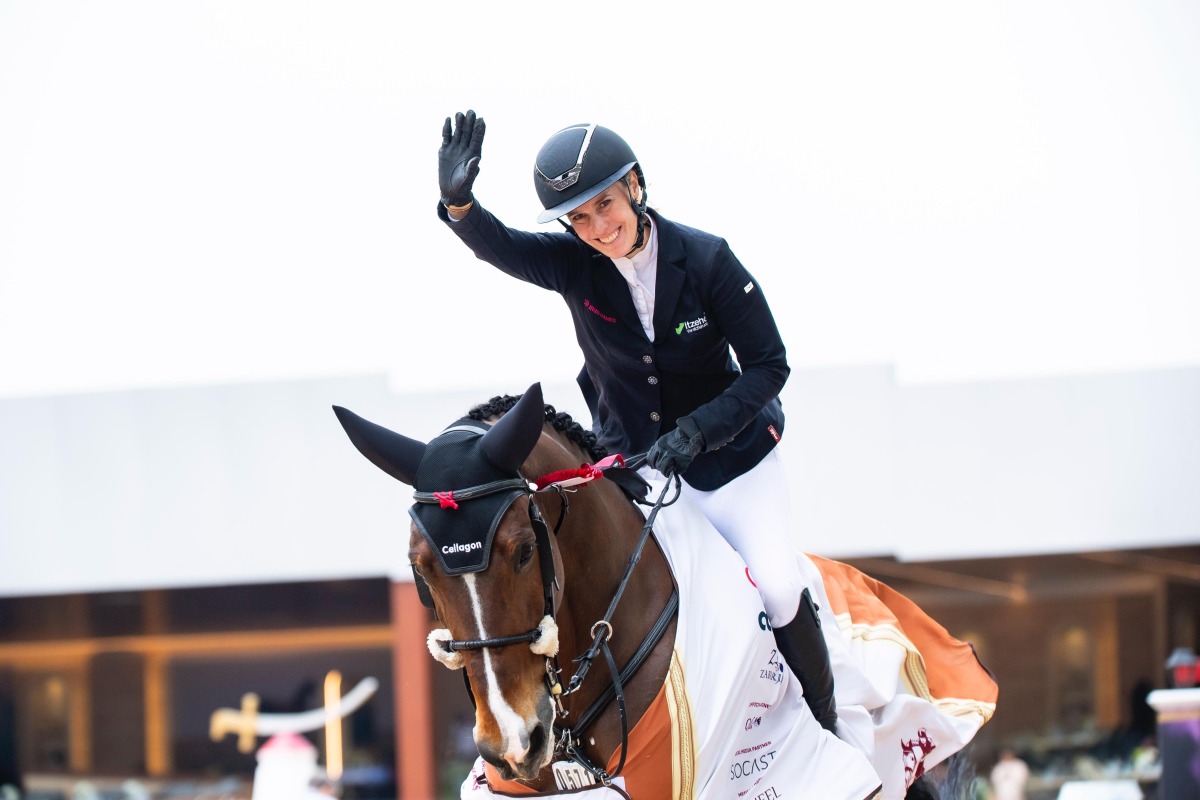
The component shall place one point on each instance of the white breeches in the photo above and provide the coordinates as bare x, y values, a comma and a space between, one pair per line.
753, 513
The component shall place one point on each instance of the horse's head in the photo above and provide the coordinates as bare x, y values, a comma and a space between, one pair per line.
475, 545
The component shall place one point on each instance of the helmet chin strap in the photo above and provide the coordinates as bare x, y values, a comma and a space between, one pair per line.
641, 237
639, 208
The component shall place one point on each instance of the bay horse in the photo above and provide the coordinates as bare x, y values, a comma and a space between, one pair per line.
692, 701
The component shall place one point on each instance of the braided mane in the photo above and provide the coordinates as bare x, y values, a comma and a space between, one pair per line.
561, 421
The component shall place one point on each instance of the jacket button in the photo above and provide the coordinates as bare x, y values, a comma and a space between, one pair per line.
652, 380
648, 359
654, 415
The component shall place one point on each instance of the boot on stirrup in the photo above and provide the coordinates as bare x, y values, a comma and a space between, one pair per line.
803, 647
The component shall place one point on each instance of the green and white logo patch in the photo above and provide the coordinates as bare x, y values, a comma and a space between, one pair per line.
691, 326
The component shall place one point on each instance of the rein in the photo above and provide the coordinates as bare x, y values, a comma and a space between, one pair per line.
568, 740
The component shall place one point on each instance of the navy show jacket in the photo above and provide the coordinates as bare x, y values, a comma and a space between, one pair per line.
705, 303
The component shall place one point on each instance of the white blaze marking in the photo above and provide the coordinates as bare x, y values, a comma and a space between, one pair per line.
512, 726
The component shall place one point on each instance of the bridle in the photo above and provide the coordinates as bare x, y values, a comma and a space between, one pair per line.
545, 556
568, 740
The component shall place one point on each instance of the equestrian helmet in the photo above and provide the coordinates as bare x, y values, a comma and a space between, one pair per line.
578, 163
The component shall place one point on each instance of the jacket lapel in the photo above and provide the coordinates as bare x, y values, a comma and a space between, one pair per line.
670, 279
613, 292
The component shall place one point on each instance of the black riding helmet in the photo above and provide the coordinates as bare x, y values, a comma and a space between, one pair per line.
580, 162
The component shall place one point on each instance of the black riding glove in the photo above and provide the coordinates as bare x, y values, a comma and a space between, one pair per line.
673, 452
458, 157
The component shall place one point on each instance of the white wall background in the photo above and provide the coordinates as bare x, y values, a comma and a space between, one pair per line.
257, 482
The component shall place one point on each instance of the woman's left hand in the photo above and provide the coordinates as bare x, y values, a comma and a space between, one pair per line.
674, 451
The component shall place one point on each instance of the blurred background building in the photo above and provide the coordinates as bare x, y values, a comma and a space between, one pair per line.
163, 552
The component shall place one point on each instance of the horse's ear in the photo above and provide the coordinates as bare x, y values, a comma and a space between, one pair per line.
397, 455
511, 439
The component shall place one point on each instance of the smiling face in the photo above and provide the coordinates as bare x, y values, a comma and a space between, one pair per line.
608, 222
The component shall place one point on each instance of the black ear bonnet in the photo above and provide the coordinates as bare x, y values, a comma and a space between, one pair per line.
458, 506
460, 531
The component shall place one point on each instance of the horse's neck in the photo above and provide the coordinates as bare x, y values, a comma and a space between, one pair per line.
603, 534
598, 534
597, 540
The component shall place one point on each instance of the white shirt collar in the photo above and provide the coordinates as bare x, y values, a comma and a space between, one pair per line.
640, 273
643, 267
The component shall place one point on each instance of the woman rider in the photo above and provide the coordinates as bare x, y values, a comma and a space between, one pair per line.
657, 309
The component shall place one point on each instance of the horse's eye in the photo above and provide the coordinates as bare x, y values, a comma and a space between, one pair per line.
524, 555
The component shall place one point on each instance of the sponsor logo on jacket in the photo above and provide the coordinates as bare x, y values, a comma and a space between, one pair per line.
691, 326
588, 305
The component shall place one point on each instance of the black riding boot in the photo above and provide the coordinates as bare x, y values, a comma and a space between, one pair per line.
803, 647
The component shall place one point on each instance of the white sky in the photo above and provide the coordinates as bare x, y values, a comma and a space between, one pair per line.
198, 192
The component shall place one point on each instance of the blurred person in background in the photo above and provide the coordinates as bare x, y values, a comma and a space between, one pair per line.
1009, 777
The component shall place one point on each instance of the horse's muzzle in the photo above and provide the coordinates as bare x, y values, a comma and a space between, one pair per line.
522, 754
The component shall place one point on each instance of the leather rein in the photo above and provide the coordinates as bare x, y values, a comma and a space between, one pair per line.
568, 740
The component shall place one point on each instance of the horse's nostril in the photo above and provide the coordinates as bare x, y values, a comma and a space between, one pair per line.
537, 738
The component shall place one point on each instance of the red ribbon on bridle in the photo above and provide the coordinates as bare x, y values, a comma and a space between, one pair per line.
585, 473
562, 478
